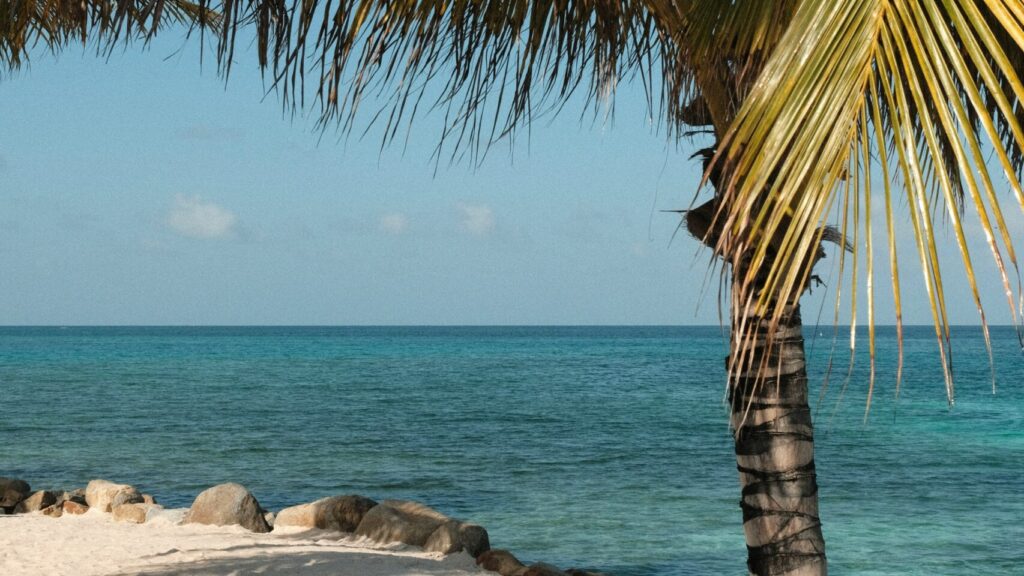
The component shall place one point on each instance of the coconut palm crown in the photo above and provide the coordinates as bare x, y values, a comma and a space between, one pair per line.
821, 112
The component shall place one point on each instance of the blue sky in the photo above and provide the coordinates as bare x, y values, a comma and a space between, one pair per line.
141, 190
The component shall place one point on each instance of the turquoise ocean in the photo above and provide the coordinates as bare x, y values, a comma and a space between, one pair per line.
603, 447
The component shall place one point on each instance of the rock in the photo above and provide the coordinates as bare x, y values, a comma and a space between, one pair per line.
129, 497
134, 513
400, 521
500, 561
271, 519
72, 507
36, 502
55, 511
104, 495
227, 504
74, 496
475, 540
581, 572
454, 536
148, 499
445, 539
13, 491
340, 513
542, 569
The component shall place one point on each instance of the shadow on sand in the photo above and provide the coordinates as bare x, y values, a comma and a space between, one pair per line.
271, 561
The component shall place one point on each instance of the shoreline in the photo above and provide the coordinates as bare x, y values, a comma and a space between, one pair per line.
108, 529
94, 544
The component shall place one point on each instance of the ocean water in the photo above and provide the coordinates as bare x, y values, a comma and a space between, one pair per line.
604, 447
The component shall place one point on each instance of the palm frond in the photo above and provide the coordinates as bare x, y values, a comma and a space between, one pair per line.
493, 65
490, 64
719, 49
935, 82
53, 24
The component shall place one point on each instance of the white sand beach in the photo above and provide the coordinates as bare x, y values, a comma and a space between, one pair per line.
94, 544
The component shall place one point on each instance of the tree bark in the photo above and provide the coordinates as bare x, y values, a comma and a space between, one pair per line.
774, 436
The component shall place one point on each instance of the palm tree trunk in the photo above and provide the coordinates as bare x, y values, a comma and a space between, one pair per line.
774, 438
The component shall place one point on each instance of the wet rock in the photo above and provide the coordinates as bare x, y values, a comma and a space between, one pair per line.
36, 502
581, 572
12, 491
340, 513
454, 536
133, 513
104, 495
400, 521
500, 561
542, 569
227, 504
72, 507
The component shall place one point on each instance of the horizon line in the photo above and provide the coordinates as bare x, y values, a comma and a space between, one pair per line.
859, 326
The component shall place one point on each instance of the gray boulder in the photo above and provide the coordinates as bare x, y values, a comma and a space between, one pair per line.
225, 505
104, 495
400, 521
454, 536
502, 562
340, 513
36, 502
13, 491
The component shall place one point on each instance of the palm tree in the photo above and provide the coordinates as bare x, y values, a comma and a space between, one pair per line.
809, 102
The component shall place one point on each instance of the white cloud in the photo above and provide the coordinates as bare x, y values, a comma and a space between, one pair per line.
192, 217
394, 223
476, 219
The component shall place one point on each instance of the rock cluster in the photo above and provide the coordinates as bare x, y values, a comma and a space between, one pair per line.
17, 497
402, 521
389, 521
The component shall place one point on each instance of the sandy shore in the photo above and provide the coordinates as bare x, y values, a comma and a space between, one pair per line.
93, 544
